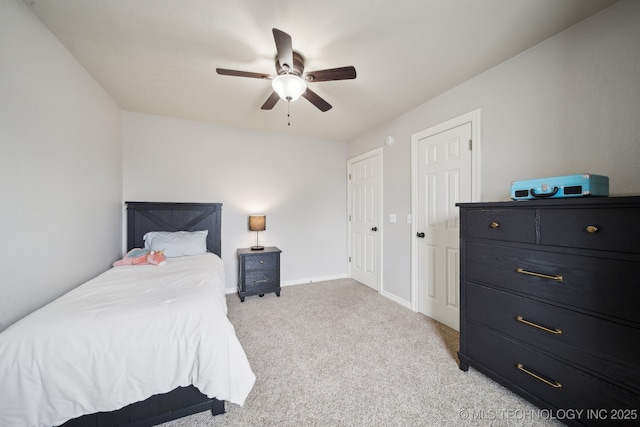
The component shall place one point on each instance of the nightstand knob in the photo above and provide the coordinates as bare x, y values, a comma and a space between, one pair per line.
494, 224
261, 262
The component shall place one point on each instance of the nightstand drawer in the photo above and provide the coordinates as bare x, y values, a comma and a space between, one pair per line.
594, 343
264, 260
502, 224
603, 229
257, 278
568, 279
557, 383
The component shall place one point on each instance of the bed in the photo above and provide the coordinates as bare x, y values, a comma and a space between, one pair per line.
138, 345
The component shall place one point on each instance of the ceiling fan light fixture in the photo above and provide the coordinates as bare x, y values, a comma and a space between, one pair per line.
289, 86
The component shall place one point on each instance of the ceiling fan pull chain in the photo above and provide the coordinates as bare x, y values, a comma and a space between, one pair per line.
288, 113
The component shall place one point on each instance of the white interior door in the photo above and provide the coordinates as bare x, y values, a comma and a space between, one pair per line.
443, 178
364, 219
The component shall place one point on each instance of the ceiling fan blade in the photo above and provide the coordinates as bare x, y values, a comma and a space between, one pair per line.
315, 99
225, 72
342, 73
284, 48
271, 101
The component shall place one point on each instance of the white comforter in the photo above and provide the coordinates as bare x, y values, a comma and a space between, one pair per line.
130, 333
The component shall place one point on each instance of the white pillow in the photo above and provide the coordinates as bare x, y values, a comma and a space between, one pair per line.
178, 243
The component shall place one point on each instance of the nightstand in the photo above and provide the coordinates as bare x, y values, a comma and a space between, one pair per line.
258, 272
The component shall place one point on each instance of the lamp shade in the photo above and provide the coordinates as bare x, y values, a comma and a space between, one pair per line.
257, 222
289, 86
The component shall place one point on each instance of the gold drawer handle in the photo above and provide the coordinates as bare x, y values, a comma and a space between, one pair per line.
592, 229
494, 224
554, 384
535, 325
544, 276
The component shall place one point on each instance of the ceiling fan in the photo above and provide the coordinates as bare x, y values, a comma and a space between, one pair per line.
290, 81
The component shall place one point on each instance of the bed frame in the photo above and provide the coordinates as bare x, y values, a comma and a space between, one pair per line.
143, 217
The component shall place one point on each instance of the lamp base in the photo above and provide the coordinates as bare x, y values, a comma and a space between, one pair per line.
257, 248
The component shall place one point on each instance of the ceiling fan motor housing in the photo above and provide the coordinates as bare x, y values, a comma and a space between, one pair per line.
298, 65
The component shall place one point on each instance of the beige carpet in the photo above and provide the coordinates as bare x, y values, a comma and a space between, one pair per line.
336, 353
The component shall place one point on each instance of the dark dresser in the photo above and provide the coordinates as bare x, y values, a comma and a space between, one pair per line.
550, 303
258, 272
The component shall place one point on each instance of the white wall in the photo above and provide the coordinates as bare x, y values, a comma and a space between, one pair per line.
298, 183
568, 105
60, 168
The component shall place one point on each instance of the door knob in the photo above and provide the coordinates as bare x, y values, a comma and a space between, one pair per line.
374, 228
420, 235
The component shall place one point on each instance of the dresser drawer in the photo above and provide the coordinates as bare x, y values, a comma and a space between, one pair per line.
502, 224
557, 383
599, 345
267, 260
607, 286
604, 229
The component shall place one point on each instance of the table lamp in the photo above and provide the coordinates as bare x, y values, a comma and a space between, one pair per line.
257, 223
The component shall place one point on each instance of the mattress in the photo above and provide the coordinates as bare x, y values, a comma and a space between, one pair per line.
130, 333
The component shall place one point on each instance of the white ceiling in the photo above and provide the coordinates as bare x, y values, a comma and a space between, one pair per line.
160, 56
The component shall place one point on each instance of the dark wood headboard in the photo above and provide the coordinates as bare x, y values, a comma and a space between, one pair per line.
143, 217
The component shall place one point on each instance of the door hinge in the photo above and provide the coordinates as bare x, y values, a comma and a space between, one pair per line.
470, 145
349, 259
349, 176
349, 217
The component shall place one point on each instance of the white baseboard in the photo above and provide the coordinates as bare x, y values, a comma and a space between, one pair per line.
299, 281
394, 298
313, 279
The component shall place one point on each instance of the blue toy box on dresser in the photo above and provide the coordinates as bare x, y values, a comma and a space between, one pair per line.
578, 185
